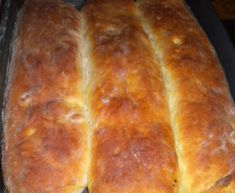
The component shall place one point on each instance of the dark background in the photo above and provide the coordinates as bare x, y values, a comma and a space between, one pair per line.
225, 9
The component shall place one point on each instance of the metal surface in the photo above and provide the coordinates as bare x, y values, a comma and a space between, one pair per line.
77, 3
201, 9
8, 18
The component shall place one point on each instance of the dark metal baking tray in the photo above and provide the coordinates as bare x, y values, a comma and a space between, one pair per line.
201, 9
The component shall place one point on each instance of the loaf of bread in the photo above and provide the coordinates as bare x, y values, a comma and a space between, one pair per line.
46, 135
132, 142
123, 97
201, 109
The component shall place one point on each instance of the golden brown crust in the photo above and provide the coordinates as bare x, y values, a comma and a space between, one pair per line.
132, 144
45, 134
201, 108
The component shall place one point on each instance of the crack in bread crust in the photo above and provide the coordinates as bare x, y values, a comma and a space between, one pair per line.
202, 111
132, 144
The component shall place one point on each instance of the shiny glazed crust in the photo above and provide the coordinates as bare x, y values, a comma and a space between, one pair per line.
132, 142
45, 148
201, 109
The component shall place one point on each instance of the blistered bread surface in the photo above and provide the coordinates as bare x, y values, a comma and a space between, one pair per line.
45, 147
132, 143
124, 96
200, 105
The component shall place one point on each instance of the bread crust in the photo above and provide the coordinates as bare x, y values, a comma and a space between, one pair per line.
146, 80
202, 111
45, 148
132, 143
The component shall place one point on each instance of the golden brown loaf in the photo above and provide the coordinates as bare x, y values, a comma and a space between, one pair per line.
46, 138
127, 96
132, 143
201, 109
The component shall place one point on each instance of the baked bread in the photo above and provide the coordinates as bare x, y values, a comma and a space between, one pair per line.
127, 96
132, 146
46, 135
201, 108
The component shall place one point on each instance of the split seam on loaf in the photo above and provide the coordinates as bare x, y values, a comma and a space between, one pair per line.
87, 79
201, 109
169, 89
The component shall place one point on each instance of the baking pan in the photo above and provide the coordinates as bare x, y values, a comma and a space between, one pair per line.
201, 9
7, 22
